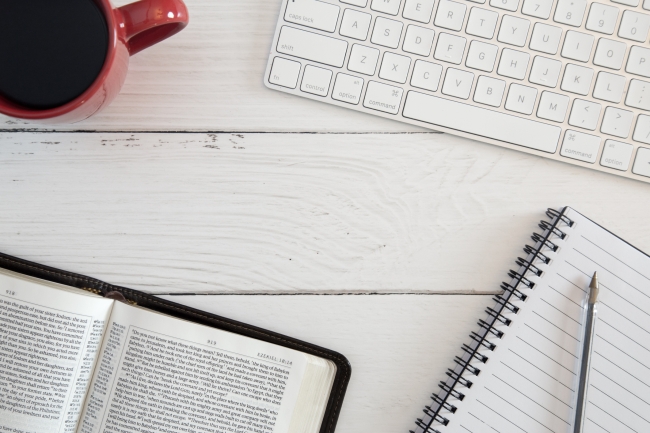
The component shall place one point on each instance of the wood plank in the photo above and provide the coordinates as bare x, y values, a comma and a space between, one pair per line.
250, 213
210, 77
399, 346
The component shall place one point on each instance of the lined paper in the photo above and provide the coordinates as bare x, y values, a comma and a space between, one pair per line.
528, 384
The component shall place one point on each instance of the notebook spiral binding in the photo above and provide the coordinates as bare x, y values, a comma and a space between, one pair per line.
444, 402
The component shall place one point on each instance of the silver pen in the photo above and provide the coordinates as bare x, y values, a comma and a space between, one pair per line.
587, 340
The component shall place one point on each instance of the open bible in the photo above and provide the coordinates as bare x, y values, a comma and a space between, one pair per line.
74, 361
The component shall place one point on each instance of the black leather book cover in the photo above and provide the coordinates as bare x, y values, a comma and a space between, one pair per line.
343, 368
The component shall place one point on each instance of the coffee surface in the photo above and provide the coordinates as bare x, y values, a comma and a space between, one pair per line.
51, 51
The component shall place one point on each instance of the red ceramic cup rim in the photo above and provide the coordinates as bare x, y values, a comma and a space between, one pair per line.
15, 110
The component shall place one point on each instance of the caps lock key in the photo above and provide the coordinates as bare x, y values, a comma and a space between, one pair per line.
312, 13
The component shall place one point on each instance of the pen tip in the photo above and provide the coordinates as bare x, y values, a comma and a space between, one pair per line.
594, 286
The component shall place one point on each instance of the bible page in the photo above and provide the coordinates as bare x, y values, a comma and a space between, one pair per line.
49, 336
161, 374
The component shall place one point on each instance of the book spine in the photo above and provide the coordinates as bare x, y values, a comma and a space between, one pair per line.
476, 352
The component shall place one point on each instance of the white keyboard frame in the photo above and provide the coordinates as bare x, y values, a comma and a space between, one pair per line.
407, 87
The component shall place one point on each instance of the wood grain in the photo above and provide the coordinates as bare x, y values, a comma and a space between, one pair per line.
399, 346
209, 77
324, 213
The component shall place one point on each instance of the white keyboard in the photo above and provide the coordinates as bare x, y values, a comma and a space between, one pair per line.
565, 79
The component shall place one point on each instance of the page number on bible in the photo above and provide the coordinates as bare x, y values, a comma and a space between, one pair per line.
10, 292
212, 342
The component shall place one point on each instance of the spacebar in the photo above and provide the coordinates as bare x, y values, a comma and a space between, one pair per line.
482, 122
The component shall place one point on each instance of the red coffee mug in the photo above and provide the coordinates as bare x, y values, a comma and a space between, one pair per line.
132, 28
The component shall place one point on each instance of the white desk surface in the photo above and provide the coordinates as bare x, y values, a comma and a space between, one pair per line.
200, 180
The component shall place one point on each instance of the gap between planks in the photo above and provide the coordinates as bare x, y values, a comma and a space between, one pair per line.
81, 131
456, 293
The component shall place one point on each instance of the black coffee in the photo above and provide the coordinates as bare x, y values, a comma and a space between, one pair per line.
51, 51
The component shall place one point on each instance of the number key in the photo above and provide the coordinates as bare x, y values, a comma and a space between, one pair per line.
634, 26
633, 3
602, 18
509, 5
538, 8
570, 12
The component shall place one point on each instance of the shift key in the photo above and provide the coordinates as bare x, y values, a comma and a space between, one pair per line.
312, 46
312, 13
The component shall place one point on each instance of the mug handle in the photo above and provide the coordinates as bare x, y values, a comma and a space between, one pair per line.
148, 22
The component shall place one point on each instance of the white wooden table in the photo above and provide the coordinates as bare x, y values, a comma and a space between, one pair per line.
367, 236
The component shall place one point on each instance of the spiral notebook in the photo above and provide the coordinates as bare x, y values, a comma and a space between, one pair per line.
518, 372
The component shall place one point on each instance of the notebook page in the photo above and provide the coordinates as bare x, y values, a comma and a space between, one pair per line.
528, 384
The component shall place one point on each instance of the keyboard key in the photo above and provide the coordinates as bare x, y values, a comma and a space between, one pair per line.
521, 99
609, 87
509, 5
513, 31
390, 7
639, 61
387, 32
418, 40
363, 59
617, 122
537, 8
360, 3
458, 83
617, 155
638, 95
545, 71
642, 129
450, 15
570, 12
489, 91
482, 23
580, 146
642, 163
347, 88
316, 80
577, 79
311, 46
481, 56
577, 46
395, 67
545, 38
553, 106
485, 122
634, 26
646, 4
383, 97
355, 24
513, 64
610, 53
450, 48
315, 14
418, 10
285, 73
426, 75
584, 114
633, 3
602, 18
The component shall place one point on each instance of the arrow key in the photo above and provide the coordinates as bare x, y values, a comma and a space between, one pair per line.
617, 122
